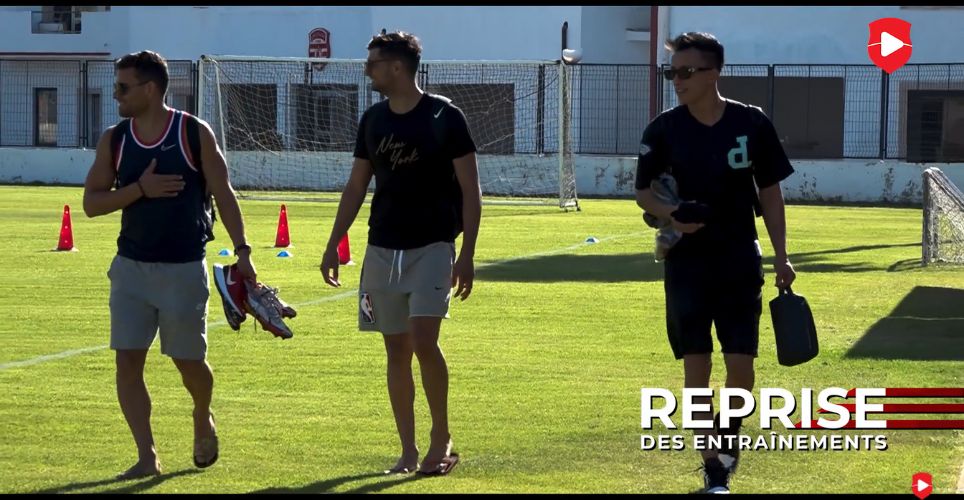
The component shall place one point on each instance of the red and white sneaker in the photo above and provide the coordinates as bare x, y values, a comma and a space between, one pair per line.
263, 303
230, 286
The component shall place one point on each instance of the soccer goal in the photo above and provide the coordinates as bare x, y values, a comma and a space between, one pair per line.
943, 239
288, 125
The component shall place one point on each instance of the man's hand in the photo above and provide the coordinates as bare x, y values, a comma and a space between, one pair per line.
463, 274
246, 267
691, 212
690, 217
158, 185
686, 228
785, 273
329, 267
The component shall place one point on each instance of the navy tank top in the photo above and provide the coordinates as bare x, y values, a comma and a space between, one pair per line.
173, 229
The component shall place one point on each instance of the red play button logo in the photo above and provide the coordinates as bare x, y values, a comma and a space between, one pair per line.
889, 45
922, 485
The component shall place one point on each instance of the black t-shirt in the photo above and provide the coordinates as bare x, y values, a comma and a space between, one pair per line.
417, 198
718, 166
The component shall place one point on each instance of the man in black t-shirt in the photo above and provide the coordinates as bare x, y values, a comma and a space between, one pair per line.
418, 148
719, 151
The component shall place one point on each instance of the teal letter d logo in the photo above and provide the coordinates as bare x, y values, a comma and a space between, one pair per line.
737, 156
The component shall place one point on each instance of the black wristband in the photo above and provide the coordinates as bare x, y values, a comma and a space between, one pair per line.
243, 246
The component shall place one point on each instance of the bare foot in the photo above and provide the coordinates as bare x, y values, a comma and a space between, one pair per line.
203, 427
205, 440
141, 469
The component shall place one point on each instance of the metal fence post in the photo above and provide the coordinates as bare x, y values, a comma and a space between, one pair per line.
884, 103
84, 126
771, 85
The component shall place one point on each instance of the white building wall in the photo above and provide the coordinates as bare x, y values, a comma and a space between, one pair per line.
484, 32
185, 32
16, 36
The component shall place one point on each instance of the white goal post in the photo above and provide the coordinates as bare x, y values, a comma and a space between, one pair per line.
943, 238
290, 124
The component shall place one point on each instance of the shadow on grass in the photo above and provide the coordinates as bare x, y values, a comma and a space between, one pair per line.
130, 485
614, 268
328, 485
928, 324
904, 265
813, 262
610, 268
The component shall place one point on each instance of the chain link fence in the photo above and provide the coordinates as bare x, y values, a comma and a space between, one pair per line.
68, 104
820, 111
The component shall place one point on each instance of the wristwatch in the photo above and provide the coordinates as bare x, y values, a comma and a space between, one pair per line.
243, 246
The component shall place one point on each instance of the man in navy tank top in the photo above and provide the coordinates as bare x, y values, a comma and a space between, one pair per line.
146, 167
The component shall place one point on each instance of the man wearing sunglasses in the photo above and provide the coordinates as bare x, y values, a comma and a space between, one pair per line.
418, 148
144, 166
720, 152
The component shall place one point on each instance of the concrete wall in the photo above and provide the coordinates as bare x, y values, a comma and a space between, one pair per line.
186, 32
95, 36
859, 181
252, 31
604, 35
830, 180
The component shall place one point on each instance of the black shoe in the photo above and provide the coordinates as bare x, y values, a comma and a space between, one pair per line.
716, 477
729, 455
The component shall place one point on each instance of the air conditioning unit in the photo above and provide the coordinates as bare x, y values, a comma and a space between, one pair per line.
50, 27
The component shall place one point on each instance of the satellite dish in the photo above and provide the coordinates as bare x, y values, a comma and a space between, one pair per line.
572, 56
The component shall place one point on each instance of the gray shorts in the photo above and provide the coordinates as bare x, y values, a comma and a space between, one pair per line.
400, 284
145, 296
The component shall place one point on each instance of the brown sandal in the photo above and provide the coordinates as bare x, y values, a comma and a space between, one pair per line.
444, 467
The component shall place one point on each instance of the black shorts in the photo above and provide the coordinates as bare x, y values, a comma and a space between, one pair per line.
725, 290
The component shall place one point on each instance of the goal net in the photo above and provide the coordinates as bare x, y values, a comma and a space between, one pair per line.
943, 239
290, 124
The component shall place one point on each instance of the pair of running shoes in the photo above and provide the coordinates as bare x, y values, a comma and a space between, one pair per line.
240, 297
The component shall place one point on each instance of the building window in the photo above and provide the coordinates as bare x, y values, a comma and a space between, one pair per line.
490, 111
935, 126
809, 116
326, 117
252, 117
45, 112
808, 111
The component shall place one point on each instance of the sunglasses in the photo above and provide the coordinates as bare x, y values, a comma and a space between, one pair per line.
123, 88
371, 62
684, 73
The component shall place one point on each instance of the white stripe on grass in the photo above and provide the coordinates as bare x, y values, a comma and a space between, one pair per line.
349, 293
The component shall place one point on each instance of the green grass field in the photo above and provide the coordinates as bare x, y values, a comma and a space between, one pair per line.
547, 359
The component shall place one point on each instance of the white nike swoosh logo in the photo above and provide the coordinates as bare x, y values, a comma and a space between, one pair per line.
439, 112
229, 280
165, 148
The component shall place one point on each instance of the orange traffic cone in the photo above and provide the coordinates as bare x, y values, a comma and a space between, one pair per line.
282, 240
344, 252
66, 243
